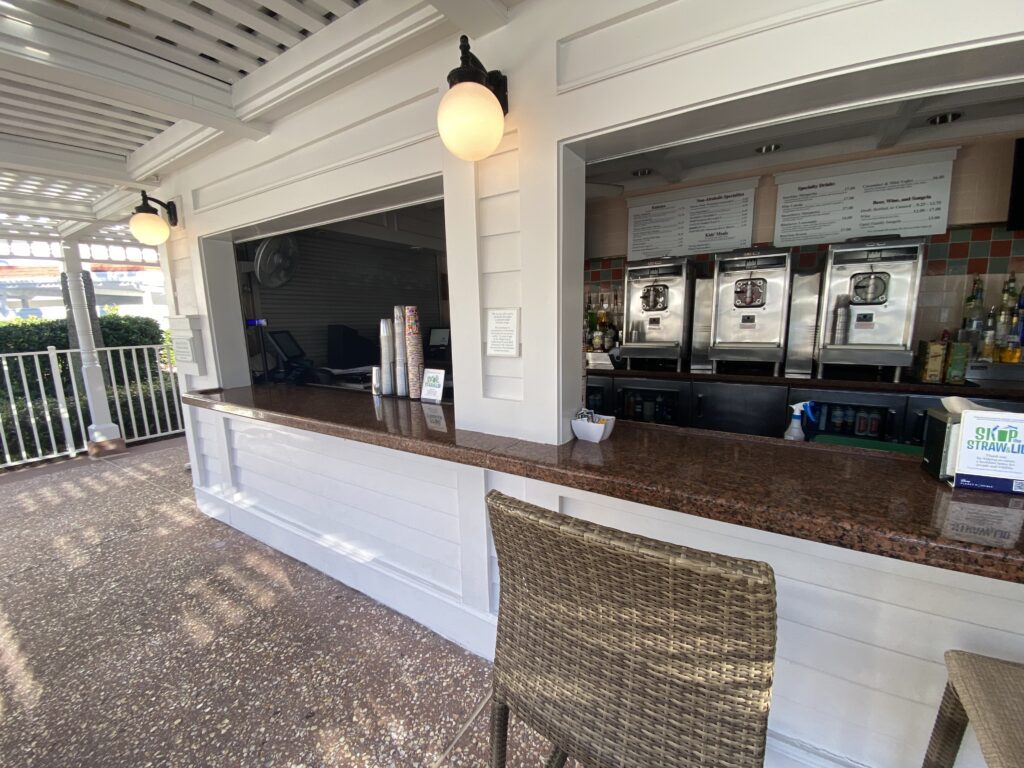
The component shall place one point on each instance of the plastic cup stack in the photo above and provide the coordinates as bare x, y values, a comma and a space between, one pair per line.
401, 365
414, 351
387, 353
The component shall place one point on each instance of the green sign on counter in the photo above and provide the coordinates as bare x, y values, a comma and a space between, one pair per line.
991, 452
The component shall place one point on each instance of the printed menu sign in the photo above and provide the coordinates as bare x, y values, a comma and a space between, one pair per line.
697, 220
909, 200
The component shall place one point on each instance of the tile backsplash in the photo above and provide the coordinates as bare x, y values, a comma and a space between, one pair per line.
951, 261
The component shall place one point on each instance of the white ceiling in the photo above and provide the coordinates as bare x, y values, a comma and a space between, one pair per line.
99, 97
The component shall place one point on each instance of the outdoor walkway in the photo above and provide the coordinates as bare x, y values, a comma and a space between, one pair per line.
134, 631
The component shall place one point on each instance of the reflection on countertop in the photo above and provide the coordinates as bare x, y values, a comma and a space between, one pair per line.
858, 499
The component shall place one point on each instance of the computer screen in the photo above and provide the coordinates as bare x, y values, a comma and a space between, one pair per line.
440, 337
286, 344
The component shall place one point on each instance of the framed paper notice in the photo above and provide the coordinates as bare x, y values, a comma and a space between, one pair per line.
433, 385
503, 332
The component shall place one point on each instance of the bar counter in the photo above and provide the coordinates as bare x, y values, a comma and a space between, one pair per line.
863, 500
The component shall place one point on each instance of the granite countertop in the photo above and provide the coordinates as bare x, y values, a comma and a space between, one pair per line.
865, 500
996, 390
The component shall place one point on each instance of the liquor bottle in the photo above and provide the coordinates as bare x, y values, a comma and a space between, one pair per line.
1012, 349
591, 315
988, 339
1002, 327
602, 312
1010, 292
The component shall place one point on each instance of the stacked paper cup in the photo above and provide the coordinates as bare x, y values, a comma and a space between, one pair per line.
387, 354
401, 369
414, 351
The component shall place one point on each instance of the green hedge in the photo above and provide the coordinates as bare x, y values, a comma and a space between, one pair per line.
158, 421
35, 335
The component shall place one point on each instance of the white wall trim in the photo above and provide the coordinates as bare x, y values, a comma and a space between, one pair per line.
565, 46
204, 199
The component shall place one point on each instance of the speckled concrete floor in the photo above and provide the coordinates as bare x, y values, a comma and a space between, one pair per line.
134, 631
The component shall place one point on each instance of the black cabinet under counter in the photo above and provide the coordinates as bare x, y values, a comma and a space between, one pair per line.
744, 409
872, 413
655, 401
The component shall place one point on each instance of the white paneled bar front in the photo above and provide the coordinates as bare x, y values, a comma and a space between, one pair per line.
859, 669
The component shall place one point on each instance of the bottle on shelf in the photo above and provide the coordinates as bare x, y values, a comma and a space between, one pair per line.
602, 312
988, 338
1011, 351
974, 317
1003, 320
1010, 298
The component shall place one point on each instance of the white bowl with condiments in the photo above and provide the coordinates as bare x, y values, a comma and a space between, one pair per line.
593, 431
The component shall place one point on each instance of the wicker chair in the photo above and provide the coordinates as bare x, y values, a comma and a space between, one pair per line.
626, 652
990, 694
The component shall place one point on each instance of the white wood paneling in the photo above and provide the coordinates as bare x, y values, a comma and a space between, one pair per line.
500, 253
671, 30
859, 668
499, 214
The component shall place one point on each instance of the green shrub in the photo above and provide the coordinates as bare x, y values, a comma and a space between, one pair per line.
35, 335
160, 420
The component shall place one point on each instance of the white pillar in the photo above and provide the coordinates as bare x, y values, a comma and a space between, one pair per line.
104, 434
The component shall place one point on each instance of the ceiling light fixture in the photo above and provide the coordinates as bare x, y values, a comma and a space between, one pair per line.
148, 226
641, 172
945, 118
471, 116
767, 149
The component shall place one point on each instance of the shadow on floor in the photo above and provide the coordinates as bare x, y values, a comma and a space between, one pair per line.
134, 631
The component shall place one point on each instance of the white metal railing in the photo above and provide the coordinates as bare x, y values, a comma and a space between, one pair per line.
44, 412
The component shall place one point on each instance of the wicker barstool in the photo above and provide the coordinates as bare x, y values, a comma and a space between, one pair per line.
626, 652
990, 694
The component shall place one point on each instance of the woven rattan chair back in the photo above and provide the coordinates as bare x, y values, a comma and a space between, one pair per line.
627, 652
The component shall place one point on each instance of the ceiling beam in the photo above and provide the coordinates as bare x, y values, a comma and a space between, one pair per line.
53, 54
893, 128
374, 36
64, 162
474, 17
56, 209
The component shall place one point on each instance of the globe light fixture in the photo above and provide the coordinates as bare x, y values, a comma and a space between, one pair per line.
471, 117
148, 226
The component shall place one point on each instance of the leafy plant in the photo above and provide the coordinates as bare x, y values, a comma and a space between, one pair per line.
35, 335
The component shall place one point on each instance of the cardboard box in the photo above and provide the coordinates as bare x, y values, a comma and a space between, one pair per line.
929, 361
991, 456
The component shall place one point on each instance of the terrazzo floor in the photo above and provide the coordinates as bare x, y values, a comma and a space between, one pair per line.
135, 631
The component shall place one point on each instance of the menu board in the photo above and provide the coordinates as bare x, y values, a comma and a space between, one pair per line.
696, 220
907, 200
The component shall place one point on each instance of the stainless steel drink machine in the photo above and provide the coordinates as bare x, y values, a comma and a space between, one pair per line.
750, 307
659, 309
868, 303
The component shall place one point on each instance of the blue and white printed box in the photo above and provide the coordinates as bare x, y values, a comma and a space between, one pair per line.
991, 452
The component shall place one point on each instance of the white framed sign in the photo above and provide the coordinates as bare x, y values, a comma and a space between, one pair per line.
503, 332
706, 219
433, 385
905, 195
991, 456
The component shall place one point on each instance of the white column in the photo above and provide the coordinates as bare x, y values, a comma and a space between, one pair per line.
104, 434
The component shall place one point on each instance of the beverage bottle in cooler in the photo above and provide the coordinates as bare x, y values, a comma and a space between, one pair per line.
848, 419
